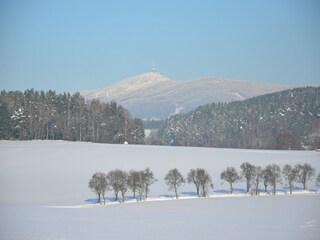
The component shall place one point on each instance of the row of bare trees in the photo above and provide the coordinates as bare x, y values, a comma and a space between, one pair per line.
250, 174
270, 175
120, 181
138, 182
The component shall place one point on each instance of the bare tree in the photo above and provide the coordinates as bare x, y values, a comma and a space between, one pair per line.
140, 185
246, 173
174, 179
273, 174
147, 179
192, 178
99, 184
290, 174
133, 180
123, 184
305, 173
318, 180
266, 179
115, 179
257, 176
205, 181
231, 176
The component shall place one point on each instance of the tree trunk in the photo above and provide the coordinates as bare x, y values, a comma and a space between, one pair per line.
140, 195
176, 191
204, 194
80, 132
274, 188
257, 187
265, 186
104, 199
122, 197
116, 194
134, 192
47, 134
248, 186
231, 188
146, 192
99, 198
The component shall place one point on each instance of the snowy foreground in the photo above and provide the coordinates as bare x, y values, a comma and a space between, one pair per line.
45, 195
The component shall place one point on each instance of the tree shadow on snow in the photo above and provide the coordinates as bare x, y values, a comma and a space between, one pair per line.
190, 194
92, 200
96, 200
167, 196
109, 199
222, 191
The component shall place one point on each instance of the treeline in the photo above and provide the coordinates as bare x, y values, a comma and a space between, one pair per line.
139, 182
270, 175
284, 120
46, 115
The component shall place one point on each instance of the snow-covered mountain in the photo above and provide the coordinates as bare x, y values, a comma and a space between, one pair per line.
153, 95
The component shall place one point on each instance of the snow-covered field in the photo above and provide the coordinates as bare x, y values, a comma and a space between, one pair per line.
44, 195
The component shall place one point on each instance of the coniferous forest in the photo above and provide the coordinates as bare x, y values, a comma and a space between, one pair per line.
288, 119
47, 115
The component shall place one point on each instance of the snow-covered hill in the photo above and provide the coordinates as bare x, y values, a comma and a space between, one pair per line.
155, 95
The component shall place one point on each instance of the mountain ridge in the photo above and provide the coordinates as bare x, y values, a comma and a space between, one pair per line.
153, 95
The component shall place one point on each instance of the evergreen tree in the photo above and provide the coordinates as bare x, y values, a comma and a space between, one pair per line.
5, 121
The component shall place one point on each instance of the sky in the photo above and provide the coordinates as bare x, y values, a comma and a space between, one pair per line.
76, 44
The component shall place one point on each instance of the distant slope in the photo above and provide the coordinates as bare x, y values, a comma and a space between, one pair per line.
284, 120
154, 95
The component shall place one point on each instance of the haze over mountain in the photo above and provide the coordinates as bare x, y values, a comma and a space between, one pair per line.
153, 95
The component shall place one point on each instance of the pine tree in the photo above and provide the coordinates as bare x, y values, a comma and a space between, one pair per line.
5, 121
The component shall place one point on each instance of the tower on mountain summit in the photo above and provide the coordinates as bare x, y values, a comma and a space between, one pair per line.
153, 69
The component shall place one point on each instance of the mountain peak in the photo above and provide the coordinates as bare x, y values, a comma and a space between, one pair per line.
139, 82
152, 94
128, 86
146, 78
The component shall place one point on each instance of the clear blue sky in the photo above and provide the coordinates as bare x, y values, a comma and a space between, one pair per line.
68, 45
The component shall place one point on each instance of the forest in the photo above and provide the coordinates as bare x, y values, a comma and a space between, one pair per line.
47, 115
288, 119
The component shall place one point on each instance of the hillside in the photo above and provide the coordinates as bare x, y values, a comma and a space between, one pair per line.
153, 95
284, 120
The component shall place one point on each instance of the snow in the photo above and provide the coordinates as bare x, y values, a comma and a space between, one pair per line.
284, 217
152, 94
45, 195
